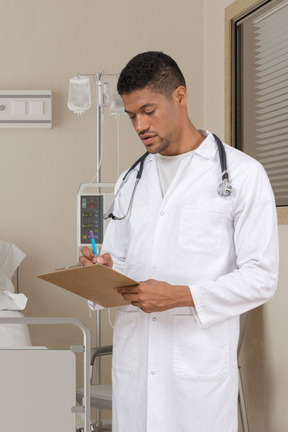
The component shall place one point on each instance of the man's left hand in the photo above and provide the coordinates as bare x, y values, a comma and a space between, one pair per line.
156, 296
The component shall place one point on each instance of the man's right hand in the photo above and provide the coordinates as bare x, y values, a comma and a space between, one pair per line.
88, 258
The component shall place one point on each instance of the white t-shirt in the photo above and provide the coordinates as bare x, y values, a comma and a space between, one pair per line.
167, 168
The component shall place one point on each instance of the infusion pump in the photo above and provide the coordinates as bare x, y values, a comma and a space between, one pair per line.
92, 200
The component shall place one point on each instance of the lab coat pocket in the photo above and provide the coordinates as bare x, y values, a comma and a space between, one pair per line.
139, 220
201, 230
125, 341
200, 354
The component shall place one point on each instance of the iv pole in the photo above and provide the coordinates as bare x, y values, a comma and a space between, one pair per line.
102, 101
99, 120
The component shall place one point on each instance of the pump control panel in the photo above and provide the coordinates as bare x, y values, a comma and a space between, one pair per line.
91, 218
92, 200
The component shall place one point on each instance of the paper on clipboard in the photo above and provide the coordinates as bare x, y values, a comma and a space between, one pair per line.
96, 283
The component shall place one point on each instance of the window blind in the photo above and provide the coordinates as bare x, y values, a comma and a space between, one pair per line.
265, 108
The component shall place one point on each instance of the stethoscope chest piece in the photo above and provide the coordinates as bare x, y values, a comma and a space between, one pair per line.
224, 189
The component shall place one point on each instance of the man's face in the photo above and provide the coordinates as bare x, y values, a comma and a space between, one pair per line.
155, 118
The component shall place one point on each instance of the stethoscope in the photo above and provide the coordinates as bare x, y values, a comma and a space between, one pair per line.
224, 189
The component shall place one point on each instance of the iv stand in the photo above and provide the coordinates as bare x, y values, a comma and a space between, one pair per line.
101, 102
99, 118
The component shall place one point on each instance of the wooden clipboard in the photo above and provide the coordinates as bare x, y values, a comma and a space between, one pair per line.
96, 283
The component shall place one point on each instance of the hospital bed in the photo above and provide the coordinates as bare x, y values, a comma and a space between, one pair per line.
37, 383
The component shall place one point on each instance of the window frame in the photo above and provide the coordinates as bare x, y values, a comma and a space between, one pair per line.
233, 13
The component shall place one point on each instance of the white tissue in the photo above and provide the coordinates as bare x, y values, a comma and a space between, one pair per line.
11, 301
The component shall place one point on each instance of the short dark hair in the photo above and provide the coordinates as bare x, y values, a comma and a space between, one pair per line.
154, 69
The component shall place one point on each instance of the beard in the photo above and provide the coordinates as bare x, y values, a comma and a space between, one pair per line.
163, 145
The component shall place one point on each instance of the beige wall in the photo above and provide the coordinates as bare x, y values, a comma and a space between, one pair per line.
43, 44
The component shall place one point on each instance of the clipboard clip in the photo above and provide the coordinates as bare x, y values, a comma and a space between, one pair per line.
69, 267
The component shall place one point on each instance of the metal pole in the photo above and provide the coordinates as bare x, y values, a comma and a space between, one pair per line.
99, 126
98, 180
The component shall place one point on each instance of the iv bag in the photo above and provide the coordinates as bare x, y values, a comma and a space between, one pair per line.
79, 99
116, 104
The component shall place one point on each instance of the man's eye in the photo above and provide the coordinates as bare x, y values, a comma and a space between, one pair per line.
132, 117
149, 112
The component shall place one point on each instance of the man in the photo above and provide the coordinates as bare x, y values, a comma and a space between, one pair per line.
202, 260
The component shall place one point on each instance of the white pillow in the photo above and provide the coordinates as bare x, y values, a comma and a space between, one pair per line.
5, 283
10, 258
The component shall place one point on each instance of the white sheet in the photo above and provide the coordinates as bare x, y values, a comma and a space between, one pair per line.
13, 335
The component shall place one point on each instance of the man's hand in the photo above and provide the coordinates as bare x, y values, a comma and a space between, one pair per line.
88, 258
156, 296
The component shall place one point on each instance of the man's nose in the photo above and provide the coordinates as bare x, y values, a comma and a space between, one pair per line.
141, 125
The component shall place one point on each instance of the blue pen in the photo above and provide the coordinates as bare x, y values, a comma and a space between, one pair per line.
93, 243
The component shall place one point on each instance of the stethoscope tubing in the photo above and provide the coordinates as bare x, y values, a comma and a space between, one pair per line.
222, 157
140, 171
224, 188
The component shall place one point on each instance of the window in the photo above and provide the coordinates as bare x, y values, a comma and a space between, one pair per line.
259, 86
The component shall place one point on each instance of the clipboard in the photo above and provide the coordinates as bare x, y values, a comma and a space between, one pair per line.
96, 283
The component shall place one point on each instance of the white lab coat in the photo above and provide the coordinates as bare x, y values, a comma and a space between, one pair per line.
177, 370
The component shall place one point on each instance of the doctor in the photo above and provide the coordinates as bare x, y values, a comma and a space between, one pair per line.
202, 261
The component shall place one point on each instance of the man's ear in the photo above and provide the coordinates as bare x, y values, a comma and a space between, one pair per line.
180, 95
